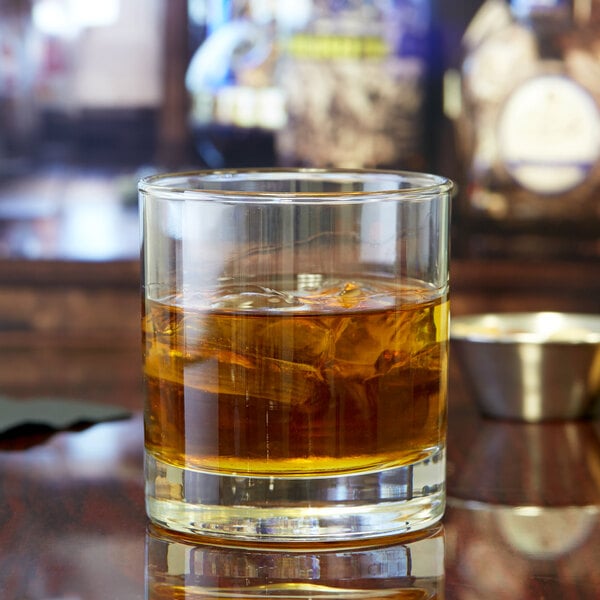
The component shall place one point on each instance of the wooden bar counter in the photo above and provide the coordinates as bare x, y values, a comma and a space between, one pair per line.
523, 515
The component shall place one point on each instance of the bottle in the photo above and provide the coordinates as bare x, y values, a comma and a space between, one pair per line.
235, 105
354, 76
529, 128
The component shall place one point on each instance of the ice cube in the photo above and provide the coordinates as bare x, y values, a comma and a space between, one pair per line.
307, 339
254, 298
362, 337
275, 381
390, 358
351, 294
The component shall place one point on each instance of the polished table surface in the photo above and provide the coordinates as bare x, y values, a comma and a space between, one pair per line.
522, 519
522, 522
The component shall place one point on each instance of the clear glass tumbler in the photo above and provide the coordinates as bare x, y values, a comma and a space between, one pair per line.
295, 341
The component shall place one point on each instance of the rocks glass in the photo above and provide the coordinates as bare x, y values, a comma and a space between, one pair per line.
295, 342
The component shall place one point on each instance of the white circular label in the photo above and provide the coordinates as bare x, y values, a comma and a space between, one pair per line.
549, 134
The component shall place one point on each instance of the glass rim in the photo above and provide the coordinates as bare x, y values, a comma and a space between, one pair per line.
177, 185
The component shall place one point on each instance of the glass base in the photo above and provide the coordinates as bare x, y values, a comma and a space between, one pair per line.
281, 509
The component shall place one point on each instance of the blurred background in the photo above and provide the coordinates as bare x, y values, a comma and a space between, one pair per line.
94, 95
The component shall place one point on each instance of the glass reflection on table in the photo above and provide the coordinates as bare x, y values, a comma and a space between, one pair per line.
409, 568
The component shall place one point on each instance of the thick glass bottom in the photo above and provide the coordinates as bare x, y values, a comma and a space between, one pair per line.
285, 509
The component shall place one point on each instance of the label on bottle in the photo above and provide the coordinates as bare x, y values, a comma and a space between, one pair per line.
549, 134
354, 78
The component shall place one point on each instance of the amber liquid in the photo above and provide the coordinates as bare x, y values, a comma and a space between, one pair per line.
345, 378
291, 590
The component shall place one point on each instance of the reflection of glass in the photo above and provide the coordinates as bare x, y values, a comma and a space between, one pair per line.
411, 568
526, 507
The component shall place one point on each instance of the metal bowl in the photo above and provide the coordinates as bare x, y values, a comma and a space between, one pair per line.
530, 366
